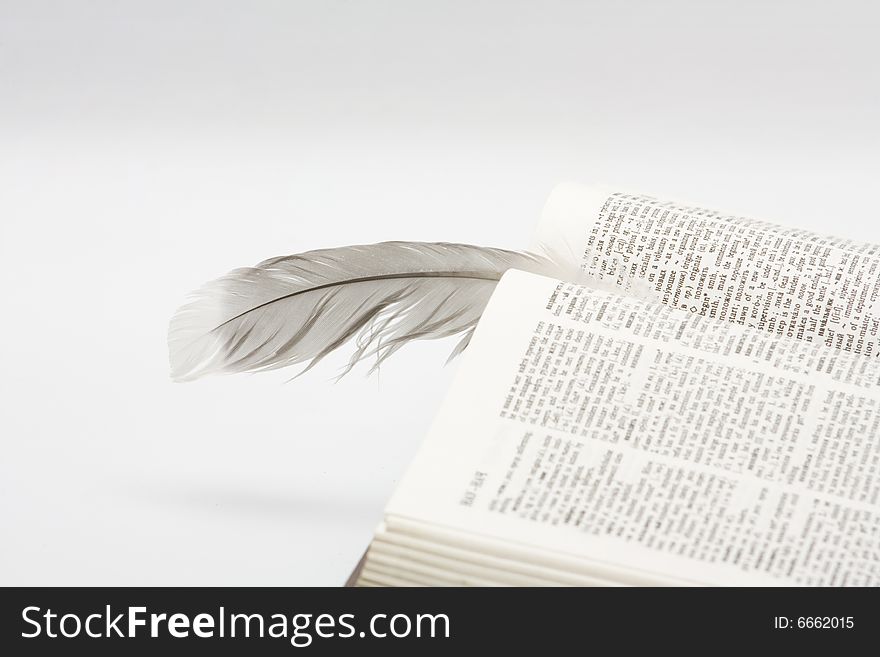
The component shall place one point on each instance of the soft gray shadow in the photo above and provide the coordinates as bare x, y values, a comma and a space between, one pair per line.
236, 499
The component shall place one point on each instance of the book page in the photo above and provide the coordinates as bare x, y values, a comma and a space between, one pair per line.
784, 281
649, 440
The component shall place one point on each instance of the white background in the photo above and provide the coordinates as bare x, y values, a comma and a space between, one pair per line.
147, 147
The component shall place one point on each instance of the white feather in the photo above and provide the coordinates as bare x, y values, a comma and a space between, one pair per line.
297, 309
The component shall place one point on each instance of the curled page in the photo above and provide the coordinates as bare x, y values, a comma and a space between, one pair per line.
788, 282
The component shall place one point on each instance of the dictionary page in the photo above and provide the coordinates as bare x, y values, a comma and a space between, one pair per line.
784, 281
617, 440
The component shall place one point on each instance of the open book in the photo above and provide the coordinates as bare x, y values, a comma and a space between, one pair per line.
722, 429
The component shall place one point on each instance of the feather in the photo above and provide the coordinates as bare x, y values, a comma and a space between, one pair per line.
299, 308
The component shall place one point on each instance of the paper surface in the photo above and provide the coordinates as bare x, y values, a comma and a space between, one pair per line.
639, 439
